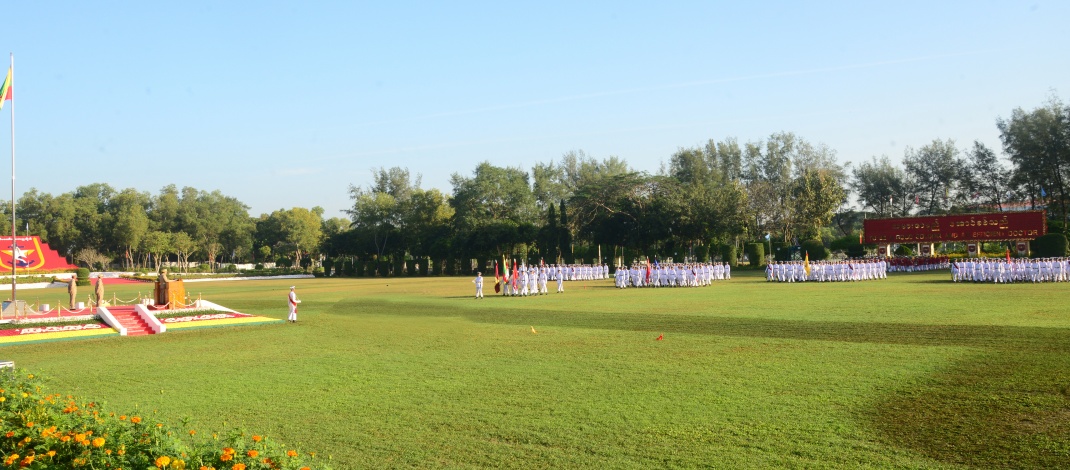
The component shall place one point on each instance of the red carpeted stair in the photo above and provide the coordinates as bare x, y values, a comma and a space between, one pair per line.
127, 317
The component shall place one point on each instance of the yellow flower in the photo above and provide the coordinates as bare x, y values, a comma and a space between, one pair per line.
163, 461
24, 394
51, 453
98, 442
3, 399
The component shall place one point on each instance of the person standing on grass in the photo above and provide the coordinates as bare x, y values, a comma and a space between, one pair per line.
99, 289
72, 289
293, 301
479, 285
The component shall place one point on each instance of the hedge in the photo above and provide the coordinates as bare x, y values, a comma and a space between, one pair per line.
1050, 245
755, 253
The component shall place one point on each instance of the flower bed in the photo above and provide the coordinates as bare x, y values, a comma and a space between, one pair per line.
48, 430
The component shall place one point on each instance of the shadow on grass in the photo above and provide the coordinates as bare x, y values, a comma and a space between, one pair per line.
998, 409
982, 336
1006, 407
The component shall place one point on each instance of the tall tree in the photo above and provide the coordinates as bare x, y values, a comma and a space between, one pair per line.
1038, 144
936, 170
879, 184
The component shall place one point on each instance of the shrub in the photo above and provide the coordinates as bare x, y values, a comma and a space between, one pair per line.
816, 249
756, 253
259, 266
64, 431
317, 272
283, 262
856, 250
1052, 244
729, 254
702, 253
347, 267
423, 265
83, 277
903, 250
328, 264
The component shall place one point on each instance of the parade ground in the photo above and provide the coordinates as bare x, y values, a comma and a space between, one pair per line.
909, 372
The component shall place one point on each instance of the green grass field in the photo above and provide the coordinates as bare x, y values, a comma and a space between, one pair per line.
909, 372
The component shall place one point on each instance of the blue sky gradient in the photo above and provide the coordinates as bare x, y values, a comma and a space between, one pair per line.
284, 104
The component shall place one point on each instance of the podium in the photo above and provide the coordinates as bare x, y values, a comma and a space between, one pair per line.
171, 294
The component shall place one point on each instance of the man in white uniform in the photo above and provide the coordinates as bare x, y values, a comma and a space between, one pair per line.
293, 301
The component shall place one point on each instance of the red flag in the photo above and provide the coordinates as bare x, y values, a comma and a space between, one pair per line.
660, 337
515, 274
1008, 255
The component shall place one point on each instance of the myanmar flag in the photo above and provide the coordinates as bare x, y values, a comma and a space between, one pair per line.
806, 264
5, 89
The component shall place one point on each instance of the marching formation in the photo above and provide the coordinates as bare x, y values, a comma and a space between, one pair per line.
826, 271
671, 275
1007, 270
532, 280
910, 264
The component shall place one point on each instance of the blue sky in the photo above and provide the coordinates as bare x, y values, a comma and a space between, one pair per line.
285, 104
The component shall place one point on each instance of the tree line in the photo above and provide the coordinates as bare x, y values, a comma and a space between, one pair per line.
713, 196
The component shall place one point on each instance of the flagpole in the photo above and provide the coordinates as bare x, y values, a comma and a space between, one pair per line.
14, 262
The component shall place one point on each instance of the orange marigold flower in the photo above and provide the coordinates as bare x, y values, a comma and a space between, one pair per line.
252, 453
51, 453
64, 438
228, 451
238, 466
122, 417
98, 442
163, 461
135, 419
257, 438
225, 457
9, 434
26, 461
291, 453
192, 432
30, 424
305, 468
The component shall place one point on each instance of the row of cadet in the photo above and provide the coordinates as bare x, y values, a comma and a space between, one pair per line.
826, 271
531, 280
1001, 270
671, 275
910, 264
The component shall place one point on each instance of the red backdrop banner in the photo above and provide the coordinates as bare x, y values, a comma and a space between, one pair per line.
998, 226
30, 254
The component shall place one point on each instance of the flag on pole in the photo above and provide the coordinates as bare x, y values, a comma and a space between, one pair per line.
860, 236
497, 279
1008, 255
806, 264
5, 89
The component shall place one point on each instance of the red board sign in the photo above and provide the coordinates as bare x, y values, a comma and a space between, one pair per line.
997, 226
30, 254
